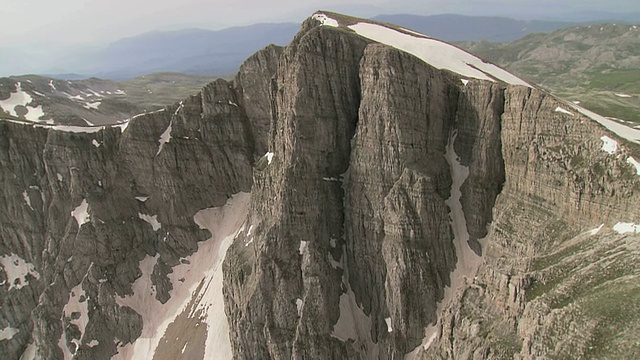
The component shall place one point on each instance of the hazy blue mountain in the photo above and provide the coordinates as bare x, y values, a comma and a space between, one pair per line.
190, 51
452, 27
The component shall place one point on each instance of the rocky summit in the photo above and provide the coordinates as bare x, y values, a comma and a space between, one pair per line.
366, 192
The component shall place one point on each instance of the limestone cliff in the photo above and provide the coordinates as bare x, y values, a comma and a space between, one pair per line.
407, 201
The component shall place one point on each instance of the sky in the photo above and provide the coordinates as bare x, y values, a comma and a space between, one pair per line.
28, 23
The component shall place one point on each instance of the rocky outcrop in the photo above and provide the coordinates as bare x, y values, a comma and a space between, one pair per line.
397, 211
84, 208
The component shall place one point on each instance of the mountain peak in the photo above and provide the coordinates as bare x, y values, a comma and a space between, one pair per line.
436, 53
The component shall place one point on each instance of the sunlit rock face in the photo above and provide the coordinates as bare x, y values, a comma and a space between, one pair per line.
365, 192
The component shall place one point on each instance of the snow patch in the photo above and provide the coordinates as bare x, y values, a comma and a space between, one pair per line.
464, 82
92, 105
95, 143
468, 260
197, 287
93, 343
619, 129
30, 352
622, 95
79, 304
59, 177
299, 304
8, 333
152, 220
437, 53
388, 321
563, 110
21, 98
609, 145
595, 231
303, 247
353, 323
624, 228
635, 163
269, 156
81, 213
165, 137
53, 87
142, 198
325, 20
27, 199
16, 271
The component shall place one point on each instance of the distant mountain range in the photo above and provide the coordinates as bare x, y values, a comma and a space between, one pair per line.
451, 27
220, 53
190, 51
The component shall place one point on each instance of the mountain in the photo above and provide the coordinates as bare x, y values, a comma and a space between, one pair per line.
452, 27
88, 102
221, 52
596, 65
190, 51
365, 192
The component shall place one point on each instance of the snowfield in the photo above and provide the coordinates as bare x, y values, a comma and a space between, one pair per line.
196, 297
21, 98
437, 53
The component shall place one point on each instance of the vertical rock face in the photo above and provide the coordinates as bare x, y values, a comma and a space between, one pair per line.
85, 208
397, 210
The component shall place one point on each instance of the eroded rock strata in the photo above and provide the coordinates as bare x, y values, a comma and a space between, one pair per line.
396, 210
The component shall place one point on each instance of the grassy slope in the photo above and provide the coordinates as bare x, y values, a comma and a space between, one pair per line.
589, 64
160, 89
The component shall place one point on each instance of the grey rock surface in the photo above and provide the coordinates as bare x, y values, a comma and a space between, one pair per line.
365, 164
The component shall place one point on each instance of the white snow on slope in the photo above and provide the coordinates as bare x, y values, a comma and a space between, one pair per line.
269, 156
142, 198
625, 228
622, 95
609, 145
353, 324
165, 137
468, 262
203, 268
152, 220
596, 230
436, 53
635, 163
325, 20
30, 352
75, 305
92, 105
299, 304
21, 98
389, 327
16, 270
81, 213
27, 199
621, 130
563, 110
8, 333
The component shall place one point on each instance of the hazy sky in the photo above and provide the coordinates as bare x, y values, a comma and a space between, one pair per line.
58, 22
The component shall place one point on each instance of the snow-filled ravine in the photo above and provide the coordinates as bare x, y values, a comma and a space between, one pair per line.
196, 298
468, 261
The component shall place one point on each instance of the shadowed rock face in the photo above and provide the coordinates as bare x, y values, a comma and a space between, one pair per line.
392, 205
